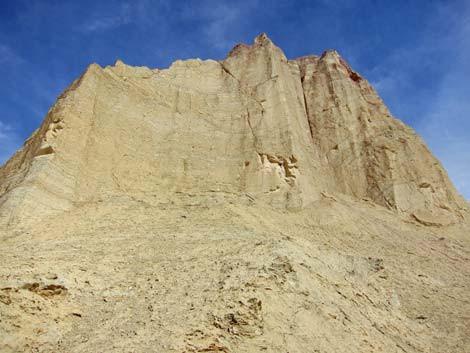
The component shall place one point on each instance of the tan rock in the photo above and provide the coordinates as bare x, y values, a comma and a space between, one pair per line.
253, 204
370, 153
255, 122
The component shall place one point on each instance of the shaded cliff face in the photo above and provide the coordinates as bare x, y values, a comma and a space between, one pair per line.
370, 153
283, 132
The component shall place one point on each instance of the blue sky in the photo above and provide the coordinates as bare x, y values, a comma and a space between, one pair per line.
415, 53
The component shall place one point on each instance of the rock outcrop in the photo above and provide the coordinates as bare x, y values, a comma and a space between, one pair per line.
368, 152
282, 131
253, 204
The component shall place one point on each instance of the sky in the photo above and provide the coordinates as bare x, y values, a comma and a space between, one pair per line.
415, 53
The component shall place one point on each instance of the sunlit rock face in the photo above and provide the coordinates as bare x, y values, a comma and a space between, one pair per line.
282, 131
253, 204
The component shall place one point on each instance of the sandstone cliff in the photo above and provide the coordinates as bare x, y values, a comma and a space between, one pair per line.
283, 131
252, 204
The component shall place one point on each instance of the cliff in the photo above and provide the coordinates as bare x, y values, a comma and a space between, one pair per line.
252, 204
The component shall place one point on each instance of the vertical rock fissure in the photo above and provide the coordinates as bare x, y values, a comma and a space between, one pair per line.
307, 112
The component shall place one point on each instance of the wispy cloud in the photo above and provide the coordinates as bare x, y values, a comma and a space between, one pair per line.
9, 56
222, 21
123, 15
447, 126
100, 24
221, 18
427, 86
9, 142
142, 13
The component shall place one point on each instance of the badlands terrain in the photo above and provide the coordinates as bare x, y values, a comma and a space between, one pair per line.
251, 204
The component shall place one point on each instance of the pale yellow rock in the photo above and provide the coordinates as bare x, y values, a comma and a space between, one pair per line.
284, 131
370, 153
252, 204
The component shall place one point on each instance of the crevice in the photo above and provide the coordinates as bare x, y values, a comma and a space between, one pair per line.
248, 120
243, 90
353, 75
228, 72
307, 113
265, 81
424, 222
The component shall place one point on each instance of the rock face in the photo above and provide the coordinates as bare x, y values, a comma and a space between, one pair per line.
283, 131
253, 204
369, 153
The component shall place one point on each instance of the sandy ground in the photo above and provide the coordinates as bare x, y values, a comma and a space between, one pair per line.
215, 273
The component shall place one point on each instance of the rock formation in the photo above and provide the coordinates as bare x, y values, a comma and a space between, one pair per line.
297, 166
284, 131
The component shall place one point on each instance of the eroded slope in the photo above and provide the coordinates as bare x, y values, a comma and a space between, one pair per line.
222, 274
